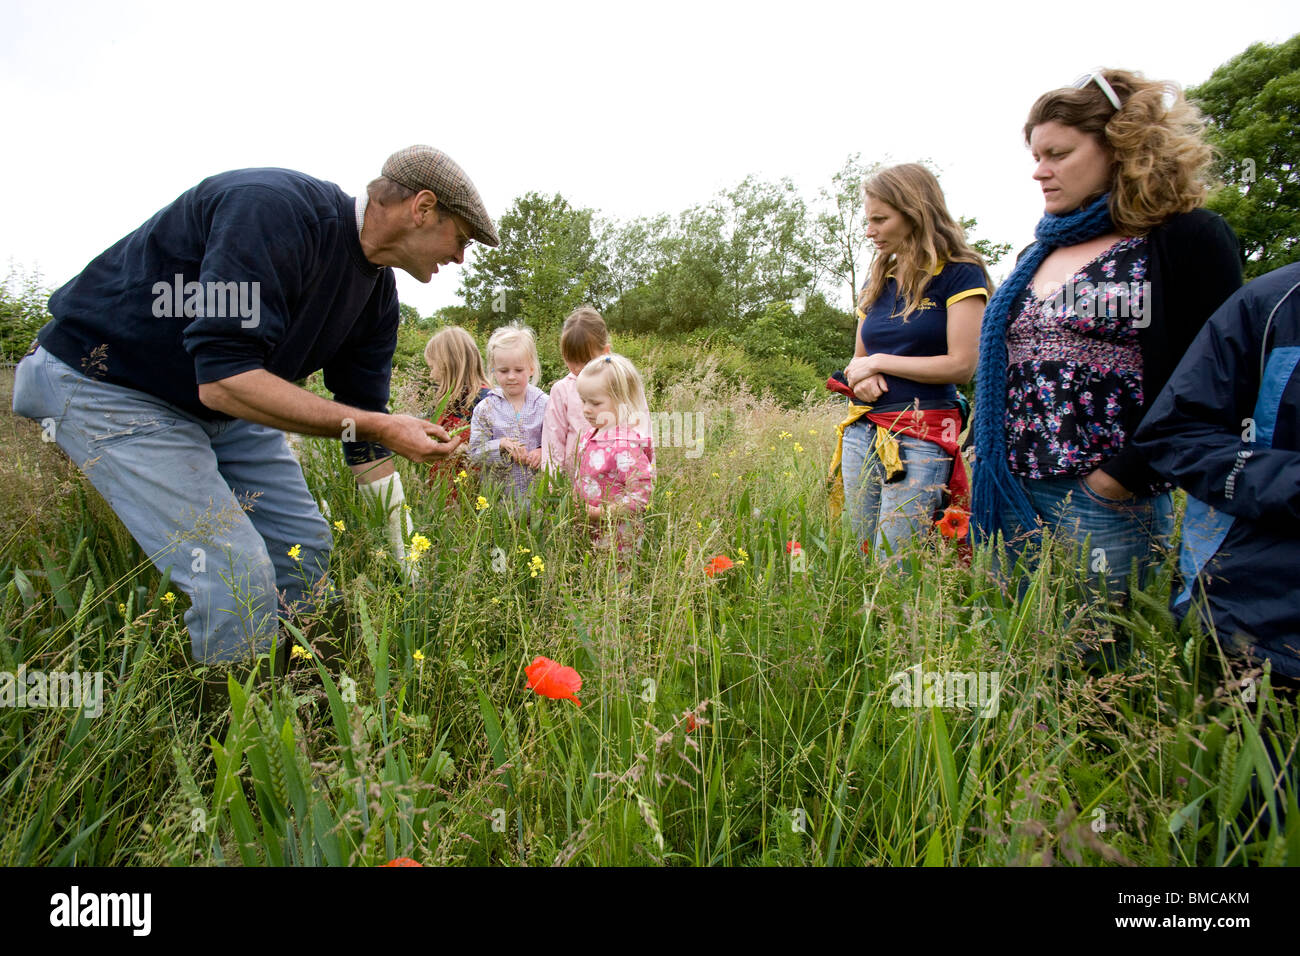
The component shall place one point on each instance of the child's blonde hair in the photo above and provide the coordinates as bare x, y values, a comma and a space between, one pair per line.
618, 376
455, 366
509, 338
583, 336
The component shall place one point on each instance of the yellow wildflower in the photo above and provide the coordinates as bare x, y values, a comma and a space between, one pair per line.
520, 549
379, 553
418, 656
784, 435
812, 431
168, 598
295, 552
797, 448
419, 545
481, 503
300, 652
121, 609
340, 526
716, 475
535, 566
460, 476
741, 556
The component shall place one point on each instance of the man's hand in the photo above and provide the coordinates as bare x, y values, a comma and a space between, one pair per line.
414, 438
870, 388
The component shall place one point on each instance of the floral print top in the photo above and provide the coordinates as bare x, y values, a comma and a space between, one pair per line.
615, 466
1074, 365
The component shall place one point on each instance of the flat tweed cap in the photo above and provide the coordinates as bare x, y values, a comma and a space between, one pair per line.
423, 167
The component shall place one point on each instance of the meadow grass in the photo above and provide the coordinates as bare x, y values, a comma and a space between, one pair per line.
748, 718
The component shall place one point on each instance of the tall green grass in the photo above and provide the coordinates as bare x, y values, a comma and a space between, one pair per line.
744, 719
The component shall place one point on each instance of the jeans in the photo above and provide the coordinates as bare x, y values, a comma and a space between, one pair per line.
219, 503
1108, 536
891, 512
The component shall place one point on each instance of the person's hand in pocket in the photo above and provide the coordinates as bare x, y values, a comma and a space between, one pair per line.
1104, 486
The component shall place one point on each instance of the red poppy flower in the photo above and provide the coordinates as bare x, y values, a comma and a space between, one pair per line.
553, 680
719, 564
402, 861
954, 523
793, 547
691, 723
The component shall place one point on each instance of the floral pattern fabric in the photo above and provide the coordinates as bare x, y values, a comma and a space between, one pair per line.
1075, 366
615, 466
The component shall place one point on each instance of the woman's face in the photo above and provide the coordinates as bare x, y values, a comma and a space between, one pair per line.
886, 226
1073, 167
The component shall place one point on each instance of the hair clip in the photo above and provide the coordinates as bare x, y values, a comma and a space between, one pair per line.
607, 358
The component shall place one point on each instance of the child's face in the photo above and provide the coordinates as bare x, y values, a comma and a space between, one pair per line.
597, 406
513, 370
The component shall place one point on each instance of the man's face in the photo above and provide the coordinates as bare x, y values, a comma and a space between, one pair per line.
434, 243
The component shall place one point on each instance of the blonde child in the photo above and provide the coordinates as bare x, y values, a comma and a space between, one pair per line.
615, 460
456, 370
506, 427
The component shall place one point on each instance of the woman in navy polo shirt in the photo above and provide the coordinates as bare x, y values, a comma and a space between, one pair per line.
918, 336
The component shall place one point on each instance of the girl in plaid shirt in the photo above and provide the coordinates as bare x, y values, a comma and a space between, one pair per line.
506, 429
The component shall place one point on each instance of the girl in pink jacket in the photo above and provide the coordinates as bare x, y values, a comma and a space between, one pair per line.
615, 458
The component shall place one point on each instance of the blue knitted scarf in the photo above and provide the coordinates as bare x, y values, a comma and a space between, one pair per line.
995, 490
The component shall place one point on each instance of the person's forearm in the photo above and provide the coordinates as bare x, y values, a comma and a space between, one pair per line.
926, 369
259, 396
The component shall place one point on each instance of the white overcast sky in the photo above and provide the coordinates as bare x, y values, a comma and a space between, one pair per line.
112, 109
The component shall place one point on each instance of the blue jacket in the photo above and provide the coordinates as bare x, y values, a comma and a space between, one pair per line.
1226, 428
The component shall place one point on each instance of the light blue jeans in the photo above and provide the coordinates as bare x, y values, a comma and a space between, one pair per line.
219, 503
894, 511
1107, 536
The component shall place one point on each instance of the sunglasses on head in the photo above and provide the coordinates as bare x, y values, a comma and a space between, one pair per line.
1095, 76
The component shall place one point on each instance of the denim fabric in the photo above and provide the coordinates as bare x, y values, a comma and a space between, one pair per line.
1110, 535
219, 503
894, 511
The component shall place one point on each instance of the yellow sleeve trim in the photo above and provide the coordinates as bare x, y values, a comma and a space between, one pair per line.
966, 295
861, 314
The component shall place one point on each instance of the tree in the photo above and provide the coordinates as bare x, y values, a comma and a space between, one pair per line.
1252, 108
990, 250
544, 268
839, 232
23, 300
631, 253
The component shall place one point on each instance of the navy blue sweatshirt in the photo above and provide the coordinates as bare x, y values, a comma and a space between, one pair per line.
250, 269
1226, 427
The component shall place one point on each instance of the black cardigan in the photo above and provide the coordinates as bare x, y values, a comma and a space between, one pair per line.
1193, 264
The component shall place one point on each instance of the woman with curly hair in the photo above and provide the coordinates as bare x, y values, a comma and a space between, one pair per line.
1086, 330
